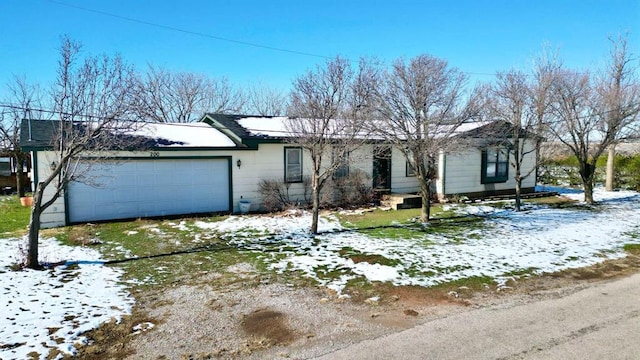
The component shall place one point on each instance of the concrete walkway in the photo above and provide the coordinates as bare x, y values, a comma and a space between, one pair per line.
600, 322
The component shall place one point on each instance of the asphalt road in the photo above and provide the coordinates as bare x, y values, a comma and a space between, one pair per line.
599, 322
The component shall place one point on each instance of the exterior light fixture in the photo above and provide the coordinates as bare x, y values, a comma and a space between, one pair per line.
53, 165
239, 163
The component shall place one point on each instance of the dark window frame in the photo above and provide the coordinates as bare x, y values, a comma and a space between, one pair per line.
498, 159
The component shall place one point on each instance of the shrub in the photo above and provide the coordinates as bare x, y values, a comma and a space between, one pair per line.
276, 194
352, 190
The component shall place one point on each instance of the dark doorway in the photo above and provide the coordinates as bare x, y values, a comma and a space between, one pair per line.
382, 168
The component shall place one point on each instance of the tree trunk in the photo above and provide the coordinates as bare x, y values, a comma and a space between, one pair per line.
518, 174
518, 192
425, 215
19, 173
586, 173
588, 191
34, 231
315, 194
610, 169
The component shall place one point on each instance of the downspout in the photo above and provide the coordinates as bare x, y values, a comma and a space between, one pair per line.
444, 175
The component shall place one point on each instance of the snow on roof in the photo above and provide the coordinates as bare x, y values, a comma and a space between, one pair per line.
185, 135
265, 126
276, 126
468, 126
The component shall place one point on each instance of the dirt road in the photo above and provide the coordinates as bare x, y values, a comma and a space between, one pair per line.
599, 322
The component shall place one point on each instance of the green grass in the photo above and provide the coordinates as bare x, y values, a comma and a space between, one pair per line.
378, 218
395, 232
15, 217
632, 248
404, 224
358, 256
165, 254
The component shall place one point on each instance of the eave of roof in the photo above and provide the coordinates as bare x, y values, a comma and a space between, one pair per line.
40, 134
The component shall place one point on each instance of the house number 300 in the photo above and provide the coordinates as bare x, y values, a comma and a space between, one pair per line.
155, 154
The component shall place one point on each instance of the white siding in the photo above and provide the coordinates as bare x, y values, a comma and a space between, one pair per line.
441, 174
400, 182
55, 214
463, 173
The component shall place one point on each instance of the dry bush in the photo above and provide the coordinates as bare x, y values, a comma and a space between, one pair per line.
352, 190
276, 194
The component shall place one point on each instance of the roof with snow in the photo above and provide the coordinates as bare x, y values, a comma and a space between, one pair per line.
248, 128
40, 134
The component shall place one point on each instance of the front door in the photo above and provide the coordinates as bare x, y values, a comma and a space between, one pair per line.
382, 168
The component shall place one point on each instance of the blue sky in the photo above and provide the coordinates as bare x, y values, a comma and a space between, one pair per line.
476, 36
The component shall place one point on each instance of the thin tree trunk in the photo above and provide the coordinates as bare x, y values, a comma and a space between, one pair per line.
518, 174
609, 185
19, 174
315, 194
34, 231
518, 192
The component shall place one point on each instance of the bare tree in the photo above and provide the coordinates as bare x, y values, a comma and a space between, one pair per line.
265, 101
525, 105
594, 115
90, 99
327, 107
223, 97
24, 100
182, 97
618, 90
421, 110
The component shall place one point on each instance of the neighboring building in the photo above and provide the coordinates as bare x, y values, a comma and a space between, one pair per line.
9, 171
211, 165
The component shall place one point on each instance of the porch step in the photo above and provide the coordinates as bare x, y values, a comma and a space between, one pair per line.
401, 201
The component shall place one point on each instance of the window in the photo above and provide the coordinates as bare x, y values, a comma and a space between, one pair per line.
409, 169
495, 165
341, 156
292, 165
5, 166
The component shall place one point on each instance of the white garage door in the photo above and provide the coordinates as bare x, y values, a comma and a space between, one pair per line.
145, 188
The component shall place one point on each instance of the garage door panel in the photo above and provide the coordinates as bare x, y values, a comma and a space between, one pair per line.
144, 188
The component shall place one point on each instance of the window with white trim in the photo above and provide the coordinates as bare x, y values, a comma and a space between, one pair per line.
292, 164
341, 157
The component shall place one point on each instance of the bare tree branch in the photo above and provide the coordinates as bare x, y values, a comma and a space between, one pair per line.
593, 114
326, 108
90, 99
420, 107
265, 101
182, 97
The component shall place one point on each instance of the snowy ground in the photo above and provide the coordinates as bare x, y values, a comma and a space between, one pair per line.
43, 310
540, 239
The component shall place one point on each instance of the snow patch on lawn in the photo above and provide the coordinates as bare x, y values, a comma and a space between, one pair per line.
289, 222
50, 309
540, 239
